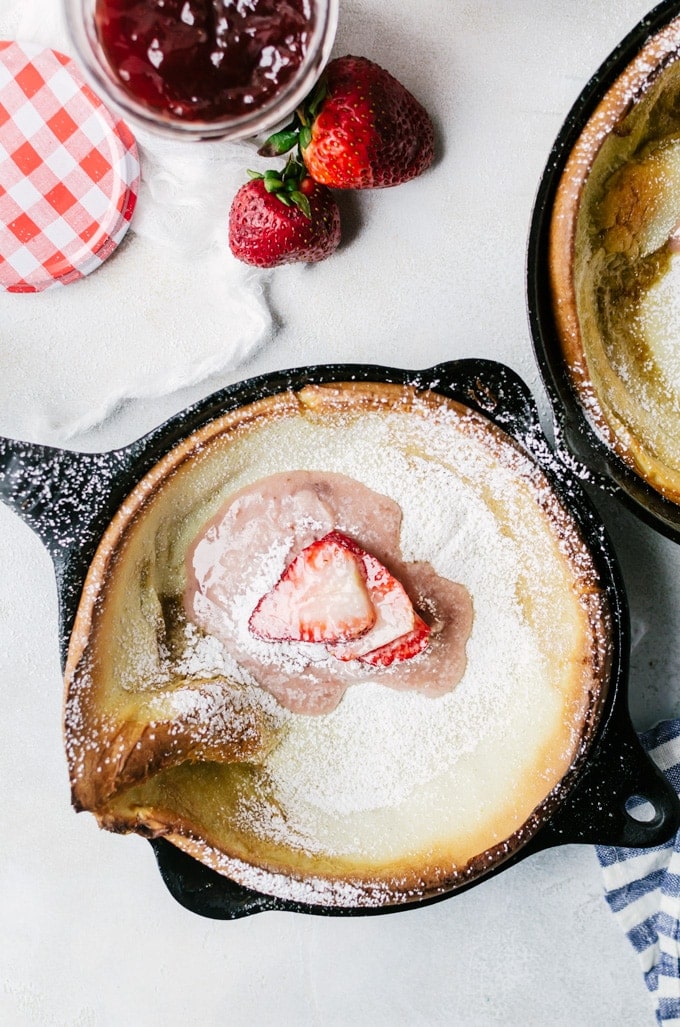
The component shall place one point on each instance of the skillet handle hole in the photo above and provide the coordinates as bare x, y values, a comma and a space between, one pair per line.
640, 809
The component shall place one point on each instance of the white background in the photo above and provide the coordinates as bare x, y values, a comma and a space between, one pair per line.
430, 271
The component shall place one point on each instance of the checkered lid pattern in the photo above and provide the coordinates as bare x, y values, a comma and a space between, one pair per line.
69, 172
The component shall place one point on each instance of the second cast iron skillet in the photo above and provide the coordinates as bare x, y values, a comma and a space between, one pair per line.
577, 441
68, 499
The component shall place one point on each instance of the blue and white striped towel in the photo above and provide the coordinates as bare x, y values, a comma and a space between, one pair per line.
642, 887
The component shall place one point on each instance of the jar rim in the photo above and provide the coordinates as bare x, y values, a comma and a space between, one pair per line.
95, 66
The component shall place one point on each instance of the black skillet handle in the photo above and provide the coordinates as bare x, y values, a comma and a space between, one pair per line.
62, 496
599, 809
52, 490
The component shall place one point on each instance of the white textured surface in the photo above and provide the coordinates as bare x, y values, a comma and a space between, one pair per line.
168, 309
431, 271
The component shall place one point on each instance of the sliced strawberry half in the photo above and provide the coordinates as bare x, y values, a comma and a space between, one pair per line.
322, 596
403, 648
395, 615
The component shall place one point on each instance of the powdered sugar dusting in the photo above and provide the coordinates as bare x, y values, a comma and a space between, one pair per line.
390, 771
379, 747
242, 552
205, 656
377, 744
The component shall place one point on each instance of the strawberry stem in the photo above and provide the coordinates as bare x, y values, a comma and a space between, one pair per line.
301, 201
281, 142
315, 99
287, 185
299, 131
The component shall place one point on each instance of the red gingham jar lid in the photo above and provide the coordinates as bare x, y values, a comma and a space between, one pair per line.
69, 172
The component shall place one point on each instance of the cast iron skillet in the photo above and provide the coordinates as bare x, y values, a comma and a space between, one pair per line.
575, 440
68, 499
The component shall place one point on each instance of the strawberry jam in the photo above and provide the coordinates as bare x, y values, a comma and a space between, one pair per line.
204, 60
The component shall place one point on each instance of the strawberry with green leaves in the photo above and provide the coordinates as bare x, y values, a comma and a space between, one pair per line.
281, 217
360, 129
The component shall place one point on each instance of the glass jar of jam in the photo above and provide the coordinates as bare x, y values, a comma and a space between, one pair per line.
199, 69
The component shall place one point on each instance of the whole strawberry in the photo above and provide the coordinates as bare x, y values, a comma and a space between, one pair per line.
281, 218
360, 129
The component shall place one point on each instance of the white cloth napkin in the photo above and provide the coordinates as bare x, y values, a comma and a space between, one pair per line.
642, 888
169, 309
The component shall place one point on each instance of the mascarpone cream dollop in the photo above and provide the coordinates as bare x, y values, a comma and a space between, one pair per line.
393, 794
241, 553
